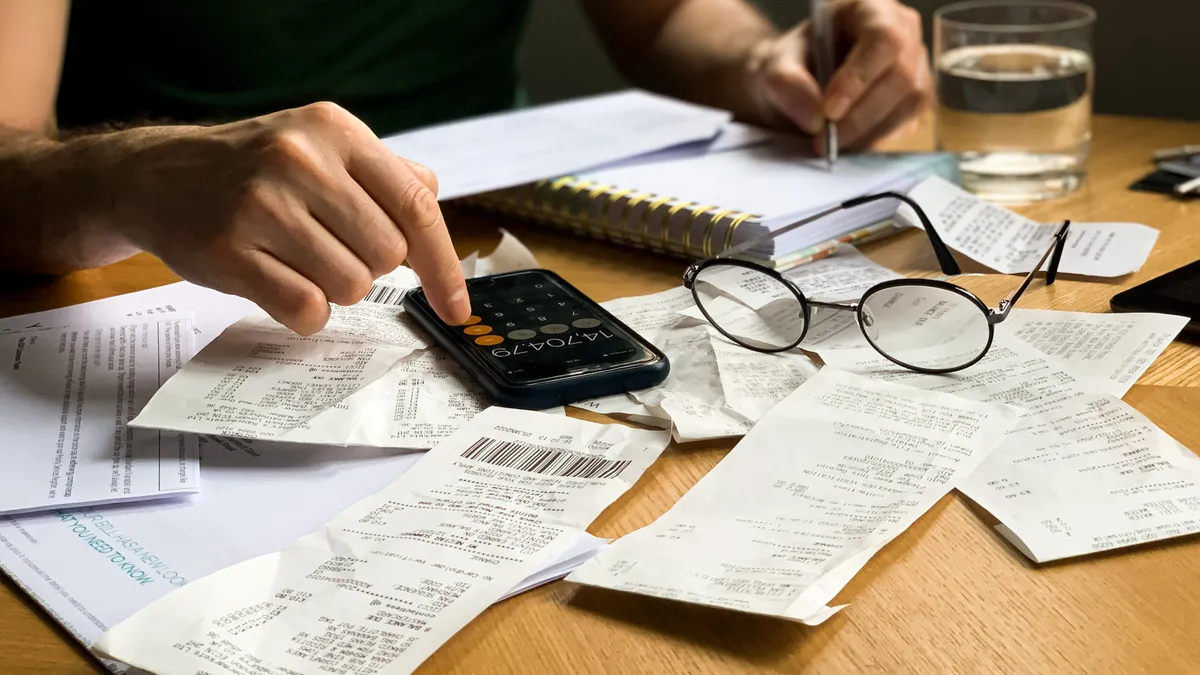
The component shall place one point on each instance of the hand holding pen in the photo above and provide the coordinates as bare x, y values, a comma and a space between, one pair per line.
881, 82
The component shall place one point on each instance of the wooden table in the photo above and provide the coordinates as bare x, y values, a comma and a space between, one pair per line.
948, 595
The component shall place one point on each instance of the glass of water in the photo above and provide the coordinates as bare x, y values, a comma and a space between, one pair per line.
1014, 95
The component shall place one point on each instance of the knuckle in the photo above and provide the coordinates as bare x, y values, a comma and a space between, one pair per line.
303, 308
390, 257
421, 210
889, 37
293, 149
327, 112
347, 286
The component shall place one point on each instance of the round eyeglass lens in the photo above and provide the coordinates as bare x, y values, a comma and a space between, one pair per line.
750, 306
929, 327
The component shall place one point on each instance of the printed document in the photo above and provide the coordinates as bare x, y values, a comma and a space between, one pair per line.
827, 478
387, 581
1080, 472
66, 398
1010, 243
1110, 350
94, 567
522, 146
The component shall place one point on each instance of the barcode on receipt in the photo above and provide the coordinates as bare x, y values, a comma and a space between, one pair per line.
524, 457
385, 295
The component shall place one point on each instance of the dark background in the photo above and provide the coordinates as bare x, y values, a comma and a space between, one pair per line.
1147, 53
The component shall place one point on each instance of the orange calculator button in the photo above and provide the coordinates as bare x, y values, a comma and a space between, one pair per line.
488, 340
477, 330
471, 320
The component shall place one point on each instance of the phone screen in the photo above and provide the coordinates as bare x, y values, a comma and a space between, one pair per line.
529, 327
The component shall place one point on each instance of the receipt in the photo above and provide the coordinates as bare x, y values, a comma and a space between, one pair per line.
390, 579
66, 398
1088, 475
832, 474
1112, 350
1081, 471
1009, 243
716, 388
260, 380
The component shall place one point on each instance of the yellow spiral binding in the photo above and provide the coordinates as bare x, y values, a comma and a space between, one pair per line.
626, 234
706, 248
733, 226
651, 208
687, 229
610, 199
541, 202
664, 232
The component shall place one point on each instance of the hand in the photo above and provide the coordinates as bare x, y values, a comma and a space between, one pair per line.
882, 82
292, 210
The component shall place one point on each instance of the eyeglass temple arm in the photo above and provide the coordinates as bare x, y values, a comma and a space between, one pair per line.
1055, 254
945, 258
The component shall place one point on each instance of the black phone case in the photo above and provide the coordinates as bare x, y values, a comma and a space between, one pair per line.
554, 392
1145, 298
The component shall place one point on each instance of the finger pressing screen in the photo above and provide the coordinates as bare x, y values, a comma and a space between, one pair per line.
413, 207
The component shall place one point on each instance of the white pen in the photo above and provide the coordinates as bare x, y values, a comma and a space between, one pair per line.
823, 61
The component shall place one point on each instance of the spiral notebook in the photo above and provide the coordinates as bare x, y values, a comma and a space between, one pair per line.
697, 206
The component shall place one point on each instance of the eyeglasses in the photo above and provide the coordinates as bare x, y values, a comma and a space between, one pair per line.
925, 325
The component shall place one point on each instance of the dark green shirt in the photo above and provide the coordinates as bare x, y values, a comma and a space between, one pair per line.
396, 64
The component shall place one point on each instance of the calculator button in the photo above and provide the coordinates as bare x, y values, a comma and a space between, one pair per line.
488, 340
522, 334
477, 330
554, 328
585, 323
472, 320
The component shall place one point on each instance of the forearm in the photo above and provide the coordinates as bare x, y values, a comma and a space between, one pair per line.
57, 203
699, 50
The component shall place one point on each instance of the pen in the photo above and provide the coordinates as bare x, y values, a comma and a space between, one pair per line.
823, 57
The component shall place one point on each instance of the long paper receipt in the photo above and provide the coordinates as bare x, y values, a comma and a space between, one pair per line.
390, 579
822, 482
1080, 472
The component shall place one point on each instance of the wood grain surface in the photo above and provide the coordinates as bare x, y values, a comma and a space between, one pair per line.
947, 596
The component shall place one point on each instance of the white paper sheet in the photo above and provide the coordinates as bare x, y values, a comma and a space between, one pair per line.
66, 398
1110, 350
212, 312
1010, 243
399, 573
1080, 472
826, 479
511, 148
258, 497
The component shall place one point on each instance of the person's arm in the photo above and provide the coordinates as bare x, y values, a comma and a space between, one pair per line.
724, 53
292, 210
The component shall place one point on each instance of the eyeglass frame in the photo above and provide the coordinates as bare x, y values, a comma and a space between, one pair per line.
945, 259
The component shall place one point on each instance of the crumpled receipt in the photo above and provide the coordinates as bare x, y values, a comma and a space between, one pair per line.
715, 389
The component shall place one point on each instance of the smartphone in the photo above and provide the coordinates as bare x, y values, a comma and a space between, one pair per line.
534, 341
1176, 292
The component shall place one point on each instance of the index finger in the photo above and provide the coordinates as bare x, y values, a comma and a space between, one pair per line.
413, 207
872, 55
